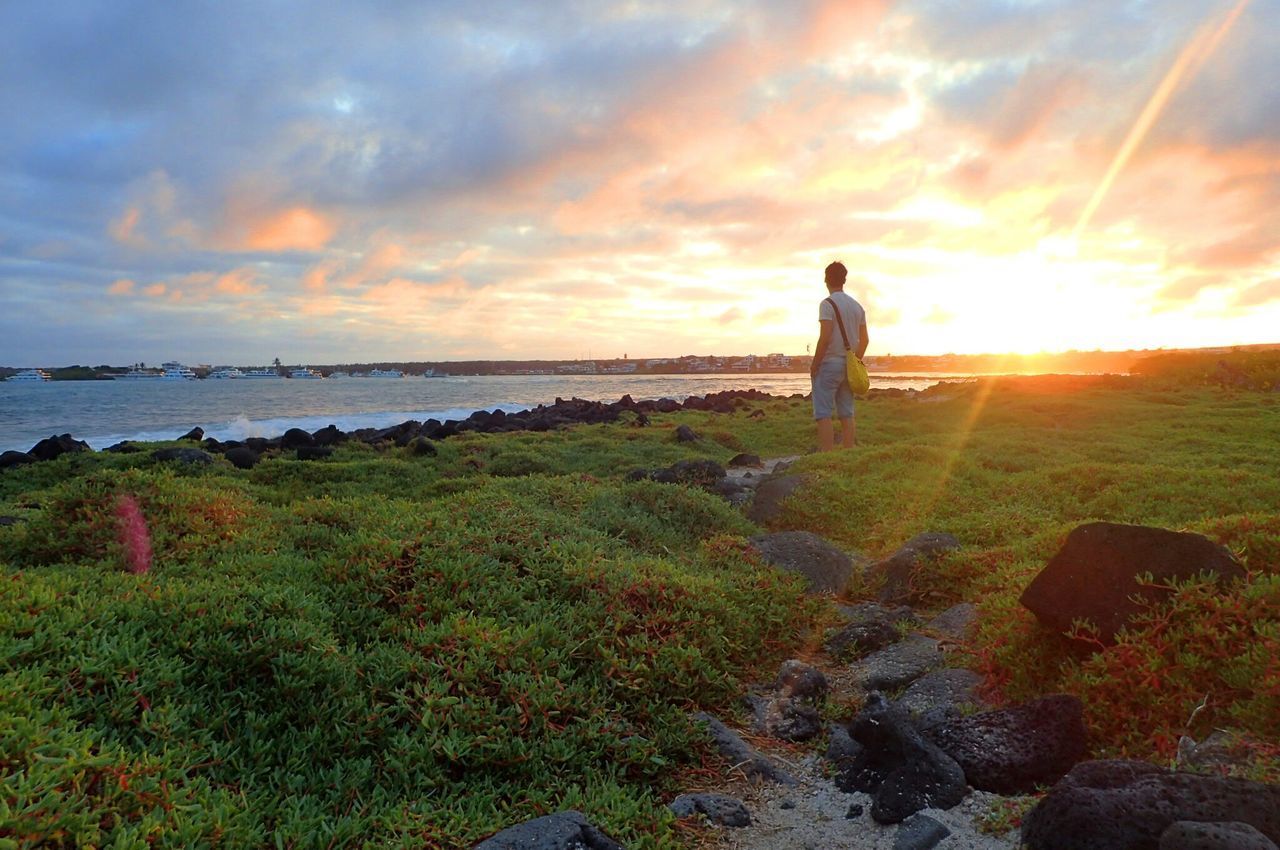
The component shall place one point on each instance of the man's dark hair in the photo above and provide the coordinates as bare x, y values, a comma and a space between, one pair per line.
836, 273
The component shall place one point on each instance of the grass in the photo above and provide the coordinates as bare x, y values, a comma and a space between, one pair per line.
412, 651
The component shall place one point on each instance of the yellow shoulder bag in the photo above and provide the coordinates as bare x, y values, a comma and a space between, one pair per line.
854, 370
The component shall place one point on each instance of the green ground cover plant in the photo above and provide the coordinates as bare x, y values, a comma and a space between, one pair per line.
409, 651
416, 651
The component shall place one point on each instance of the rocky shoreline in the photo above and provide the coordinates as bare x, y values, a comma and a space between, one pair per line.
421, 436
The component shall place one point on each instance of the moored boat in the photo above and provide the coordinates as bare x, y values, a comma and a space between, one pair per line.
262, 373
137, 374
231, 372
304, 373
32, 376
385, 373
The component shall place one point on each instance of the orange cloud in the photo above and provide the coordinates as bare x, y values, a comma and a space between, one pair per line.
156, 290
317, 277
295, 229
120, 287
238, 282
374, 263
1261, 293
122, 229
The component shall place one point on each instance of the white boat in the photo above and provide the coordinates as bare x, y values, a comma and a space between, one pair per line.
432, 373
305, 374
178, 372
137, 374
261, 373
385, 373
34, 376
226, 373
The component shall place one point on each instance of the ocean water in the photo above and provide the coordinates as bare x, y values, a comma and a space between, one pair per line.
105, 412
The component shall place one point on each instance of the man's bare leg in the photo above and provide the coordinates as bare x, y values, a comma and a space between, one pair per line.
826, 436
848, 436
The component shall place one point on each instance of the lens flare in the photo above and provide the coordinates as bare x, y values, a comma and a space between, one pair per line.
1192, 58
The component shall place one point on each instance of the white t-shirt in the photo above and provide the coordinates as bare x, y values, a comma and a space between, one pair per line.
854, 318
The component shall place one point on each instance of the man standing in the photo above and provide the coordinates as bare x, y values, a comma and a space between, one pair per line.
831, 392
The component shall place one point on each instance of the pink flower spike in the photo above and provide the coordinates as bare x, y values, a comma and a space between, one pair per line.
133, 535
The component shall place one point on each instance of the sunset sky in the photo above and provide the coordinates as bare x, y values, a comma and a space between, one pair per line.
331, 181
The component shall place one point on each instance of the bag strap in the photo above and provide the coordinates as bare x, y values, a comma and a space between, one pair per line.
840, 324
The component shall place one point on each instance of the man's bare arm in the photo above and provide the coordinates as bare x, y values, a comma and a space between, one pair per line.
863, 340
820, 350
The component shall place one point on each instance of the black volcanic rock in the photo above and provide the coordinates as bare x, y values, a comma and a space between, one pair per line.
242, 457
1094, 575
295, 438
568, 830
314, 452
1128, 805
896, 570
900, 768
685, 434
191, 457
195, 435
1012, 750
54, 447
11, 458
329, 435
826, 567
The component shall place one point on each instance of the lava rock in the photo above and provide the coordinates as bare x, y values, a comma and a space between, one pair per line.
745, 460
1012, 750
424, 447
124, 447
242, 457
826, 568
740, 753
314, 452
54, 447
919, 832
956, 622
699, 472
766, 505
734, 492
329, 435
800, 680
718, 808
1094, 575
901, 769
1194, 835
188, 456
1121, 804
567, 830
842, 750
871, 627
896, 570
12, 458
195, 435
295, 438
899, 664
951, 687
685, 434
787, 719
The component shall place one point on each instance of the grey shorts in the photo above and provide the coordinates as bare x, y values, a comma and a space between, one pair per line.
831, 391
